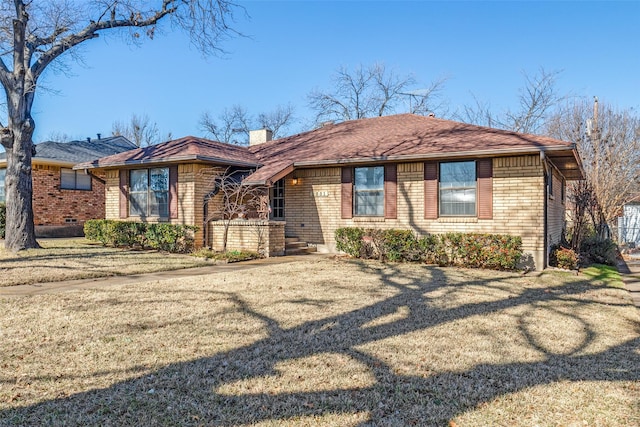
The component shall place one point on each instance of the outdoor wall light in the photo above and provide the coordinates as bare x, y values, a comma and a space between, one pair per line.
295, 181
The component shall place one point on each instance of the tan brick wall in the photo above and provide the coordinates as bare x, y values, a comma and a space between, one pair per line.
194, 182
53, 206
312, 208
250, 235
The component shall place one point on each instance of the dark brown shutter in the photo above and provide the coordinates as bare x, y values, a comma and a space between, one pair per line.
173, 191
485, 188
390, 191
124, 196
431, 190
347, 193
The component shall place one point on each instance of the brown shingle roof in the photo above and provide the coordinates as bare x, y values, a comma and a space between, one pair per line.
403, 137
398, 137
179, 150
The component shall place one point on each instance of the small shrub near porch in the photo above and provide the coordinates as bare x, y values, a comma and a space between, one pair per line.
165, 237
472, 250
3, 219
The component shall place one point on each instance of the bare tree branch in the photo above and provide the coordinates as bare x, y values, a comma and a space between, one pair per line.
368, 92
609, 147
139, 130
34, 36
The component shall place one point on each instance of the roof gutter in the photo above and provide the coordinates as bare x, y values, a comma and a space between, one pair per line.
44, 161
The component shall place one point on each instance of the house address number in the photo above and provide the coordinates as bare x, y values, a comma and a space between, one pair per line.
320, 193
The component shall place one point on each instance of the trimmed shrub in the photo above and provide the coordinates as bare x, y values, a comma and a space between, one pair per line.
164, 237
399, 245
3, 219
349, 240
492, 251
563, 258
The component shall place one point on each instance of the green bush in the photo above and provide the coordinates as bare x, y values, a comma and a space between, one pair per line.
3, 219
164, 237
349, 240
492, 251
563, 258
399, 245
595, 250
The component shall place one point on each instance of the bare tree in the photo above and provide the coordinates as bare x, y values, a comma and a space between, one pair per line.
58, 136
232, 126
371, 91
278, 120
537, 101
139, 130
36, 35
479, 113
608, 141
231, 199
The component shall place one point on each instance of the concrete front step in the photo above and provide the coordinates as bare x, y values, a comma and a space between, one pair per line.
293, 246
300, 251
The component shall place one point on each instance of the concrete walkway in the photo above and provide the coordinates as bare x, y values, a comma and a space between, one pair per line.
630, 271
101, 282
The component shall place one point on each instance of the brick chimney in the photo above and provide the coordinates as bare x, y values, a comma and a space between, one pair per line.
259, 136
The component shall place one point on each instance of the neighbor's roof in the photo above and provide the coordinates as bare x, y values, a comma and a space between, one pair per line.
400, 138
179, 150
73, 152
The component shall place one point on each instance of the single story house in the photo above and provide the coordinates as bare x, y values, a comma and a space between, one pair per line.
629, 224
64, 198
402, 171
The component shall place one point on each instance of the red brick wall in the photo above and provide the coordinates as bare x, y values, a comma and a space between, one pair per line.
53, 206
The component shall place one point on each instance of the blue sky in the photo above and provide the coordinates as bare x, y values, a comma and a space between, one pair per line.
295, 46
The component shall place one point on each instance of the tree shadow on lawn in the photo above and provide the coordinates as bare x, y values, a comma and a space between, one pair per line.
191, 393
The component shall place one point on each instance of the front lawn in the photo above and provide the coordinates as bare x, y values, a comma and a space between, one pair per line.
327, 342
66, 259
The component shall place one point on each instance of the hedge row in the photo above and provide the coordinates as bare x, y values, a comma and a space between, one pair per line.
164, 237
492, 251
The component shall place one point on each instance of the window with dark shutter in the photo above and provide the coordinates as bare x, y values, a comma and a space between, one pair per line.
431, 190
485, 188
124, 193
390, 191
346, 199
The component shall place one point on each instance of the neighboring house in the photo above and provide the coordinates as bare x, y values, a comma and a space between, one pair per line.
403, 171
64, 198
629, 224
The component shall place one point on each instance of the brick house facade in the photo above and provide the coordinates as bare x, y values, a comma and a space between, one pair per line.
58, 211
63, 199
406, 171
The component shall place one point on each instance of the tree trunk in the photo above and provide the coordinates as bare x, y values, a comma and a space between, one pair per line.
20, 230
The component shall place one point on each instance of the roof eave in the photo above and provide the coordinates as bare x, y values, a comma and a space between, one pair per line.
429, 156
44, 161
174, 159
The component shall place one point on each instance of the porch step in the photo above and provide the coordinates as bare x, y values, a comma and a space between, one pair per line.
293, 246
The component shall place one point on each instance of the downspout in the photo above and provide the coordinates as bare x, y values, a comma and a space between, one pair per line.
96, 177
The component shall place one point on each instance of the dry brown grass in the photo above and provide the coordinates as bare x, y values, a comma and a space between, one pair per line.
66, 259
325, 342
